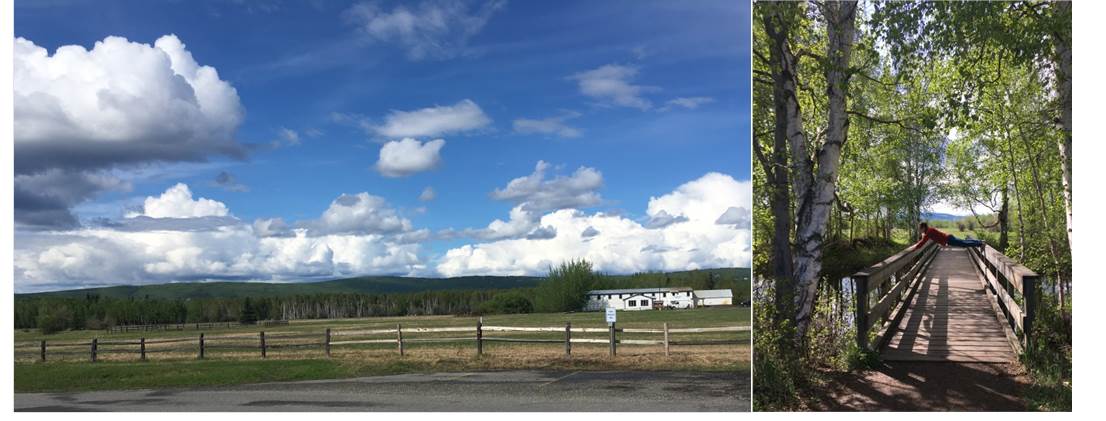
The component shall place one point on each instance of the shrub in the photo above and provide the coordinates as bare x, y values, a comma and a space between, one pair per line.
510, 302
54, 319
566, 287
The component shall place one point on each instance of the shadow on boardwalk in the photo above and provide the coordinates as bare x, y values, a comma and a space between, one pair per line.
926, 386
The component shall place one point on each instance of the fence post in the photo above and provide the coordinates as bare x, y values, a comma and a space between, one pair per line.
568, 339
479, 336
201, 345
92, 350
861, 283
142, 348
42, 351
263, 344
327, 343
666, 339
613, 351
399, 338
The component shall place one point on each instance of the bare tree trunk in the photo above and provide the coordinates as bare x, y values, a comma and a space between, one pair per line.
788, 125
815, 194
1004, 220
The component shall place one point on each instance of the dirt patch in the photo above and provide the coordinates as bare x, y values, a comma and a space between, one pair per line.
926, 386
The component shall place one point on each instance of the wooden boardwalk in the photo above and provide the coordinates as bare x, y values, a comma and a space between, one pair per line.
950, 318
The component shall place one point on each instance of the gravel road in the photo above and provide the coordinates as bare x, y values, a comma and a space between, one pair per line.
480, 391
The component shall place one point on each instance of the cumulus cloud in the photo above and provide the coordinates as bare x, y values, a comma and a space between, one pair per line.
404, 157
550, 126
663, 219
690, 103
537, 194
542, 233
429, 30
625, 246
197, 239
589, 232
433, 121
98, 257
427, 194
736, 216
360, 213
612, 85
79, 113
177, 202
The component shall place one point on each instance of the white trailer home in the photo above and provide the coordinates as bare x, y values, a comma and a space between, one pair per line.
713, 297
640, 299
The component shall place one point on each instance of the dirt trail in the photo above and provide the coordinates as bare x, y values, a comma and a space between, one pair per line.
926, 386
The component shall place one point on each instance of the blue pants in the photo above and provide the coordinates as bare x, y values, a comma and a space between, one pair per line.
956, 242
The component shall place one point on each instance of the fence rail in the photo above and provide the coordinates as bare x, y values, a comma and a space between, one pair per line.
1008, 282
892, 283
263, 342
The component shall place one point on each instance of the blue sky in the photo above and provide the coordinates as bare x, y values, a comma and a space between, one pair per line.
622, 102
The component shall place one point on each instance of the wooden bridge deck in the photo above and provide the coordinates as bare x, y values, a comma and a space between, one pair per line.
950, 317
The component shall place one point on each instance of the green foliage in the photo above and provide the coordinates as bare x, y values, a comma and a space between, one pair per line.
510, 302
1048, 358
566, 287
54, 319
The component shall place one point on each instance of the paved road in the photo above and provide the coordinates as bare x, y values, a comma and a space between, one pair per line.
484, 391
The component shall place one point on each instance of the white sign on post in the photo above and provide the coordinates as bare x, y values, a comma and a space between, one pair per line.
611, 315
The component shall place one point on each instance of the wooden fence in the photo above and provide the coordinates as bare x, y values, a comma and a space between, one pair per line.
885, 289
263, 343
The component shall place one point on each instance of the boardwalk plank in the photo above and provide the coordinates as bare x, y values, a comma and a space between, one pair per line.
950, 318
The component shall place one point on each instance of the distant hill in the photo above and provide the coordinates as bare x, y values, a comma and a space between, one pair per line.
357, 285
937, 216
362, 285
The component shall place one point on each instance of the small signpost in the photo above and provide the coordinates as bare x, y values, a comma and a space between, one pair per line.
612, 316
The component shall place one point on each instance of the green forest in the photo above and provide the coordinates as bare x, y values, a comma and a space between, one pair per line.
866, 115
562, 290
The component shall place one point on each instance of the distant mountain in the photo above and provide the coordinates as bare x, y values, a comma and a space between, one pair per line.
358, 285
936, 216
361, 285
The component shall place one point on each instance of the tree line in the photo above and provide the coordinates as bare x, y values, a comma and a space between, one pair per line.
562, 290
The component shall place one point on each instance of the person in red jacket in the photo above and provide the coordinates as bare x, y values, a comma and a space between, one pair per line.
936, 236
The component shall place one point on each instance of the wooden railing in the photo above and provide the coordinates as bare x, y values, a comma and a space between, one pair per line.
263, 342
1012, 289
889, 284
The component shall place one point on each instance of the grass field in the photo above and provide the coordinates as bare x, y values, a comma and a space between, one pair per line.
176, 365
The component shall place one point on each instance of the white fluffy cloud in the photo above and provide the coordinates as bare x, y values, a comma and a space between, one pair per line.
180, 238
81, 112
433, 121
612, 84
404, 157
360, 213
536, 194
430, 30
621, 245
177, 202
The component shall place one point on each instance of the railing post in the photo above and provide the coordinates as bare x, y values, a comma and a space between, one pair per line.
92, 350
479, 336
1029, 295
262, 335
326, 344
42, 351
142, 349
399, 338
666, 339
861, 283
613, 350
201, 345
568, 339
